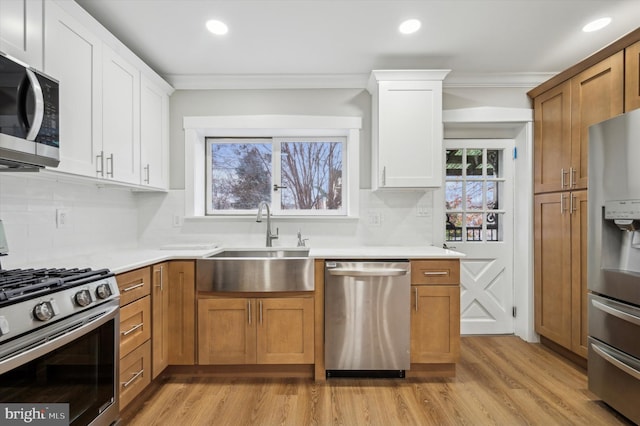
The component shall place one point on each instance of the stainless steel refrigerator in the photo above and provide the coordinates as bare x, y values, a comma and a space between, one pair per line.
614, 263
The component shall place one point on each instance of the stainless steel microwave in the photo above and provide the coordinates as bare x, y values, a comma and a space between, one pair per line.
29, 117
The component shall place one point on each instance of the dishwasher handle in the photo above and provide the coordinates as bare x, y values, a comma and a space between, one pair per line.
382, 272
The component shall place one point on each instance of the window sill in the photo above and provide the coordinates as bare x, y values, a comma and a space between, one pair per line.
252, 218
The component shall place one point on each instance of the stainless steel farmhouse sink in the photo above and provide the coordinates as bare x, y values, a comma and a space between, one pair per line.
256, 270
278, 253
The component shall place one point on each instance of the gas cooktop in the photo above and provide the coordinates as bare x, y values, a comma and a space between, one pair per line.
32, 298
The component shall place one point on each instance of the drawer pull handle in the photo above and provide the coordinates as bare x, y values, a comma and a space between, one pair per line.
430, 273
131, 380
132, 329
133, 287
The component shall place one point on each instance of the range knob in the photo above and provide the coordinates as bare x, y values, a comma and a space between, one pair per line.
43, 311
103, 291
83, 298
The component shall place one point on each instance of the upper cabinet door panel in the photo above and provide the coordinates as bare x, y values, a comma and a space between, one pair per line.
21, 34
121, 118
154, 106
632, 77
406, 135
410, 146
73, 55
552, 139
596, 95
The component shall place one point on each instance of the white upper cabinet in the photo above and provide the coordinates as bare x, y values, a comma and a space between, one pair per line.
407, 128
110, 101
21, 30
73, 55
154, 135
120, 118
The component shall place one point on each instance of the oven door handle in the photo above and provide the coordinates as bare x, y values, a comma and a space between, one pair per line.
616, 312
60, 336
615, 361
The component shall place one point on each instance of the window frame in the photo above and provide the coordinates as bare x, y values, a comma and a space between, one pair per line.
198, 128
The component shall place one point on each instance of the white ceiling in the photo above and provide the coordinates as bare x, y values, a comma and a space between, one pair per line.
341, 41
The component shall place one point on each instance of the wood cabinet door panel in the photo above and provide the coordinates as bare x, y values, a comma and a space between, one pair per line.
226, 331
552, 270
135, 324
134, 285
435, 324
135, 373
160, 318
552, 139
632, 77
182, 313
435, 271
285, 331
596, 95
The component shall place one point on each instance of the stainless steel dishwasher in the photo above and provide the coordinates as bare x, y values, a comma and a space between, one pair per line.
367, 317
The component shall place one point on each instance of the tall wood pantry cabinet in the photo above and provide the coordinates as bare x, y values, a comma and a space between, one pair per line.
598, 88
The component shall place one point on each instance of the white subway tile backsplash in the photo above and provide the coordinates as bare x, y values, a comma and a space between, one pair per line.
97, 218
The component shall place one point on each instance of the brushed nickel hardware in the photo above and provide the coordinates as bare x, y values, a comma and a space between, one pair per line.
431, 273
563, 172
132, 329
131, 380
100, 157
133, 287
249, 310
415, 291
110, 160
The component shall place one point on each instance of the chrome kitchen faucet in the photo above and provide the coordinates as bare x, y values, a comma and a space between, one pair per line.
270, 235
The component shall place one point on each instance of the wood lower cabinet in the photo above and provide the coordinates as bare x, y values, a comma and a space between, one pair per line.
135, 333
237, 331
560, 279
435, 316
182, 315
632, 77
435, 324
134, 373
160, 317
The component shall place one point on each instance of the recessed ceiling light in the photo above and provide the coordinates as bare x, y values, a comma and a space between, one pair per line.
217, 27
409, 26
596, 25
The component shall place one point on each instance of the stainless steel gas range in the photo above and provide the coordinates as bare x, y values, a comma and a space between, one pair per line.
59, 338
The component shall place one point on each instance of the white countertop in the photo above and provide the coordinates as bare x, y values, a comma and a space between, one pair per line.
125, 260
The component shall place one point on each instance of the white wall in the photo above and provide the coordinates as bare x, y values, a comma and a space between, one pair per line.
98, 219
400, 224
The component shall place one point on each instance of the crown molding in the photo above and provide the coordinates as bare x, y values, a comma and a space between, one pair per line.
342, 81
267, 81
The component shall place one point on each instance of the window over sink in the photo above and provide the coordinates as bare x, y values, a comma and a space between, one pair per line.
303, 166
296, 176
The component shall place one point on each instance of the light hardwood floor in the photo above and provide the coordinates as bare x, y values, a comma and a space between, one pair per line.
501, 380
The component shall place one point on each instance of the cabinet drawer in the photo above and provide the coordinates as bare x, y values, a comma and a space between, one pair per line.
134, 285
135, 325
135, 373
435, 271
